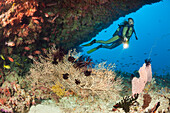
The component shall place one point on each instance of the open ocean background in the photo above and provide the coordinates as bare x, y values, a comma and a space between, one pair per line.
152, 25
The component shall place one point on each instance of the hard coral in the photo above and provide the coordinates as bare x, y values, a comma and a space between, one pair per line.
14, 99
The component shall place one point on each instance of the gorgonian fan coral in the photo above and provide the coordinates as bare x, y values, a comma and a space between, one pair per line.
100, 82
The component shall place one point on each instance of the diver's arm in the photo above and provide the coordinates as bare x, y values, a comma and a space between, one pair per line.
135, 34
124, 34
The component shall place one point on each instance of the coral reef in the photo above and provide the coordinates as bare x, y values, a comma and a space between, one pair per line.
75, 84
153, 98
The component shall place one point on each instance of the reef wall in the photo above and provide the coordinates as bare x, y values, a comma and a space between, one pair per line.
83, 19
64, 23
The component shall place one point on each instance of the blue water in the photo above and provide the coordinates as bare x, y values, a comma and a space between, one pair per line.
152, 25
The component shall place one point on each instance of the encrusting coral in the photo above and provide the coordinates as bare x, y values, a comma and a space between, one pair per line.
58, 89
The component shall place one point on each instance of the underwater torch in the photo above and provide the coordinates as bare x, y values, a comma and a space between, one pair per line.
125, 45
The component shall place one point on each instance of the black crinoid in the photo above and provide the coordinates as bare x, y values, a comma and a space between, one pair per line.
126, 103
83, 61
71, 59
148, 61
87, 73
65, 76
58, 55
77, 81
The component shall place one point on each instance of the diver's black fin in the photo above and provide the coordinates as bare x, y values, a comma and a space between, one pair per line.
91, 43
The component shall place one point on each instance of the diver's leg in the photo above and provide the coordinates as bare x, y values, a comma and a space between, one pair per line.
111, 46
102, 41
108, 41
115, 44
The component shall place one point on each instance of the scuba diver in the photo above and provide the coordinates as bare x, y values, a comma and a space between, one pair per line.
122, 35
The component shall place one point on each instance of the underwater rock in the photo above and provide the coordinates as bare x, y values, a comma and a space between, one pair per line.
43, 108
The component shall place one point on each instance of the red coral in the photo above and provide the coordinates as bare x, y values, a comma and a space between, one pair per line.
6, 91
2, 101
16, 17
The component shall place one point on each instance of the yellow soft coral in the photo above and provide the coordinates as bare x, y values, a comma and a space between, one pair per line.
58, 89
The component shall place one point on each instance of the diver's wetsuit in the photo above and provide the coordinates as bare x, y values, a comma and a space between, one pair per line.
116, 39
